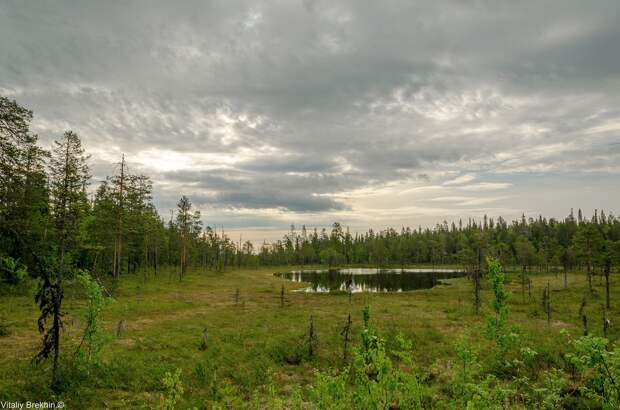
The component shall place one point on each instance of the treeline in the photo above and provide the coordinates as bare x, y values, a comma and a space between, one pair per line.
542, 243
46, 213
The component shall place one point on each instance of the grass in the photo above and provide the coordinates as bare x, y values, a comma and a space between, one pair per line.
257, 346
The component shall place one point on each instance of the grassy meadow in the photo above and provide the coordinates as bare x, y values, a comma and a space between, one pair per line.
257, 347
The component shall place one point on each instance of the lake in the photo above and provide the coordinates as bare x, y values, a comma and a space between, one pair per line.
369, 280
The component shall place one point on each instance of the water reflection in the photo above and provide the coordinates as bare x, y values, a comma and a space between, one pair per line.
369, 280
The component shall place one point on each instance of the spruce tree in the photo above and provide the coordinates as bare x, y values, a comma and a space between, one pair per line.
68, 179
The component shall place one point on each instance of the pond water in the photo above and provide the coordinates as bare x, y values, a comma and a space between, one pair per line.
369, 280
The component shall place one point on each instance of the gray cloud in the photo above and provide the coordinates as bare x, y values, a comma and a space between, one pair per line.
290, 105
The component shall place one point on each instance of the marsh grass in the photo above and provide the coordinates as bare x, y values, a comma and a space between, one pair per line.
259, 351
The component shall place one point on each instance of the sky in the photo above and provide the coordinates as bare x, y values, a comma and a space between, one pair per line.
373, 114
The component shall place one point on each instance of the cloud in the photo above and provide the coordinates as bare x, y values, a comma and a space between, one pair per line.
461, 179
486, 186
466, 200
313, 110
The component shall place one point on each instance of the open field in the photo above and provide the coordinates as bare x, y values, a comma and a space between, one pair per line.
256, 347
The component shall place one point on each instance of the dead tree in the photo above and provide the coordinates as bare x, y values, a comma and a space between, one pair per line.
546, 303
118, 239
582, 315
606, 321
312, 339
606, 271
349, 285
120, 327
205, 339
345, 338
523, 284
477, 300
282, 296
565, 278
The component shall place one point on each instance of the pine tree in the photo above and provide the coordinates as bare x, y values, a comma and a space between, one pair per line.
587, 242
189, 227
23, 185
68, 179
121, 192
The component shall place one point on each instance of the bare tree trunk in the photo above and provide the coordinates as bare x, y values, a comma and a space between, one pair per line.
606, 272
118, 243
605, 322
523, 282
548, 307
477, 291
311, 338
589, 271
183, 258
57, 323
345, 336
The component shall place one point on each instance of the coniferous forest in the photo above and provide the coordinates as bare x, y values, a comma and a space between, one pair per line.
52, 210
107, 303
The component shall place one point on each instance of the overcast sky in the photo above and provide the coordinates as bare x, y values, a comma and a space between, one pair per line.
370, 113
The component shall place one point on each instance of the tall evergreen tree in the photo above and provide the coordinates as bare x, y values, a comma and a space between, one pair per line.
23, 185
188, 223
68, 179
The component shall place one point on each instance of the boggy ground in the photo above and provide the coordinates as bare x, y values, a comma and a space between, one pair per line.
257, 348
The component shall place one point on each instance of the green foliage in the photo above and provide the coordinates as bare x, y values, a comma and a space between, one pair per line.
550, 396
331, 391
94, 337
173, 390
200, 373
497, 327
488, 394
599, 368
12, 271
466, 369
376, 382
331, 257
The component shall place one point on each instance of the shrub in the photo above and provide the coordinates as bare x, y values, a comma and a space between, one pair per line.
12, 271
376, 381
599, 368
94, 337
173, 390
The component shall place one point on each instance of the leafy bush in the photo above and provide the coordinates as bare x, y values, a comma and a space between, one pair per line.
599, 370
173, 390
376, 381
12, 271
505, 338
94, 337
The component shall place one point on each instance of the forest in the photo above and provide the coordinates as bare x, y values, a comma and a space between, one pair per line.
49, 203
97, 288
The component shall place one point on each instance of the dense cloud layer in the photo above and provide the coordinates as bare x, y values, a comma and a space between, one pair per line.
372, 113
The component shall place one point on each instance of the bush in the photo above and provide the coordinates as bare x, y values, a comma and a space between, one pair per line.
377, 381
94, 337
12, 271
173, 390
599, 368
